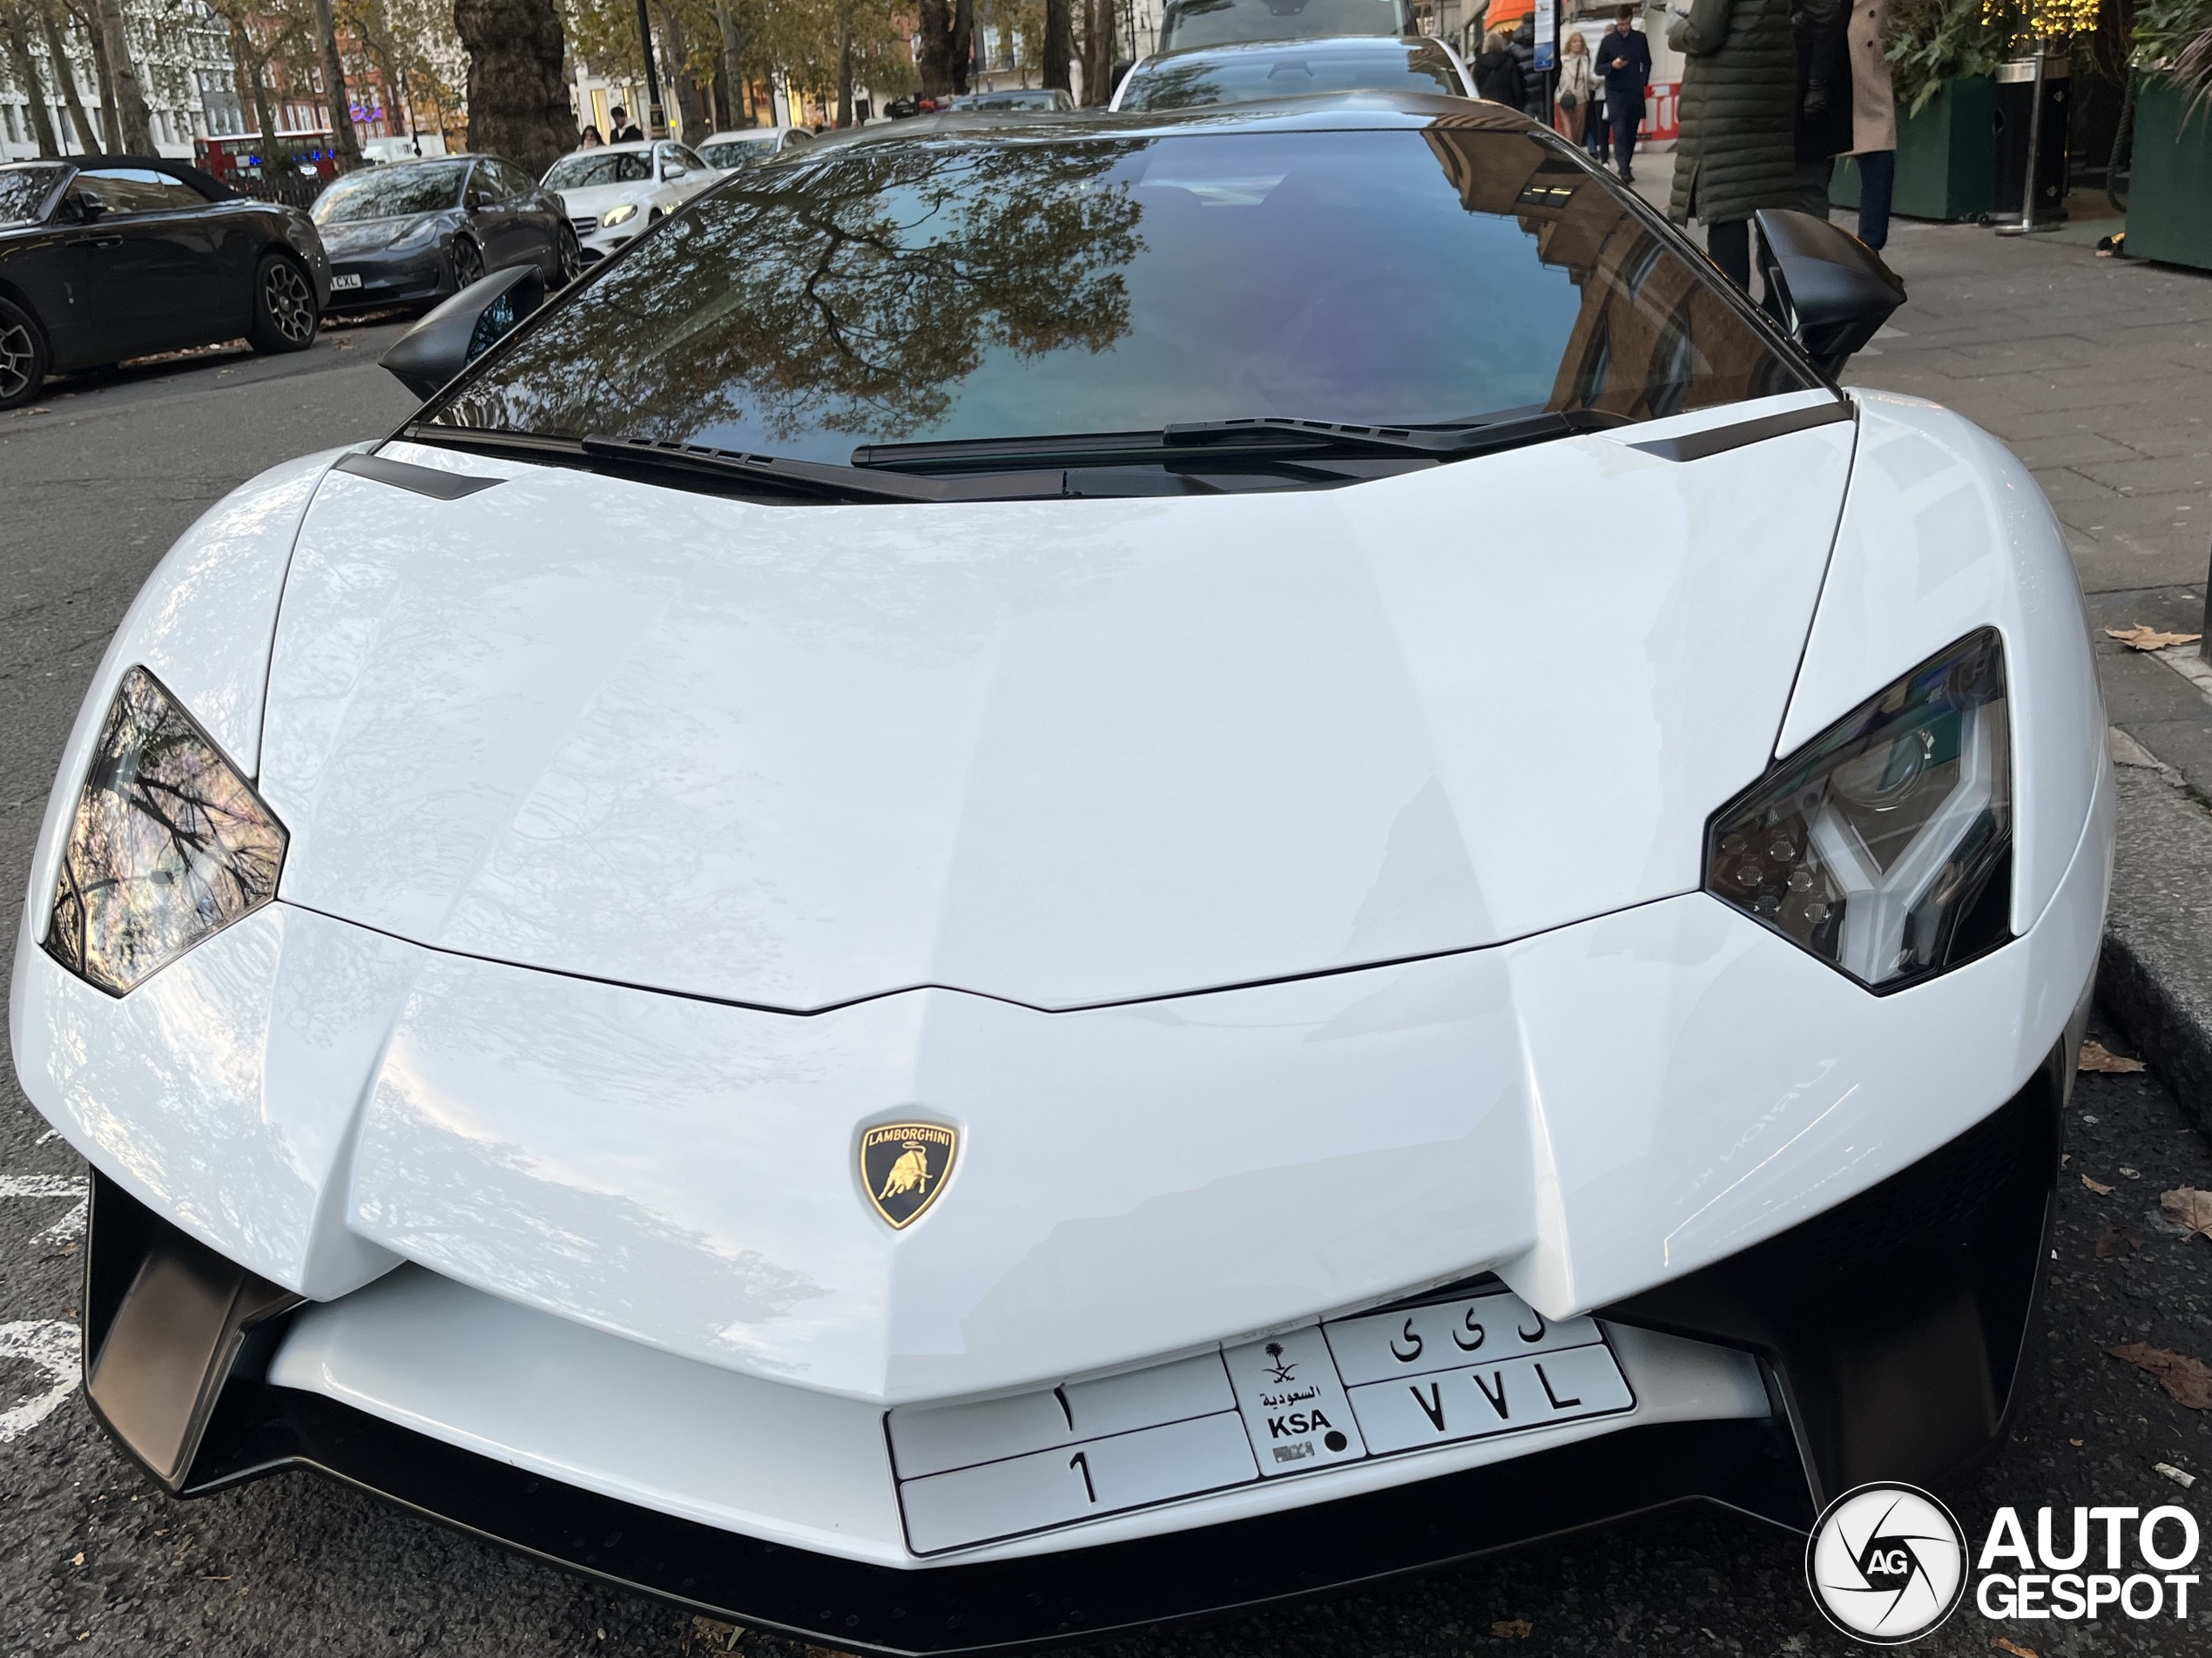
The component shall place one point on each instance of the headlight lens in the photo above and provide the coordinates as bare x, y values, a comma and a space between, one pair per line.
421, 233
620, 214
168, 844
1885, 845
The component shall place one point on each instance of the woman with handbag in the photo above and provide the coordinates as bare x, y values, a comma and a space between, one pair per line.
1571, 97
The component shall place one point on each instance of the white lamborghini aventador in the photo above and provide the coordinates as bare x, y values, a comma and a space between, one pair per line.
1285, 857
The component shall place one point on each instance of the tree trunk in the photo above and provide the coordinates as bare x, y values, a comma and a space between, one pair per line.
253, 92
933, 49
733, 49
26, 72
136, 120
342, 138
379, 53
1101, 49
1059, 44
676, 56
963, 44
65, 73
844, 69
518, 98
89, 24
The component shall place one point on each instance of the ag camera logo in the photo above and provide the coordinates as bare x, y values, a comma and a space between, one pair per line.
1886, 1564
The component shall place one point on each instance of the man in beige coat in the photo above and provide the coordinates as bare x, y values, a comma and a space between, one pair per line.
1874, 118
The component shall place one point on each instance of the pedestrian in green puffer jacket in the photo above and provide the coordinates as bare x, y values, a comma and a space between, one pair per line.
1738, 153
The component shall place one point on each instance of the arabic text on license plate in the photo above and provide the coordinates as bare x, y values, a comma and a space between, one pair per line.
351, 279
1343, 1391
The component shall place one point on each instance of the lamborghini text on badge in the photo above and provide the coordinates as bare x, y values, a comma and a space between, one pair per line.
903, 1167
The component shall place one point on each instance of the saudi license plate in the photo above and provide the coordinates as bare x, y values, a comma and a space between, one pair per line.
1347, 1390
349, 279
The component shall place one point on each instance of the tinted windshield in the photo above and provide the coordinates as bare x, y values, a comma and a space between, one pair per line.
1041, 98
23, 191
919, 290
1244, 75
1218, 22
582, 170
739, 152
392, 192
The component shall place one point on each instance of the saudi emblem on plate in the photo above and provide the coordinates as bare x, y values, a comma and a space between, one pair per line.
903, 1165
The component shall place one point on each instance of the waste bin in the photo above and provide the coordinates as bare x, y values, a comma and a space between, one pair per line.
2015, 104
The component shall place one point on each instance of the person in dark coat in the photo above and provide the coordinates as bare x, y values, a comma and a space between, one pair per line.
1822, 28
1624, 64
1738, 150
625, 129
1532, 82
1497, 73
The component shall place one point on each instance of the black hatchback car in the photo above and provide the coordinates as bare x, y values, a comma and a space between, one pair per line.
112, 257
417, 232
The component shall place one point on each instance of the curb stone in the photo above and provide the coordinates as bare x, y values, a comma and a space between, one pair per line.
2154, 972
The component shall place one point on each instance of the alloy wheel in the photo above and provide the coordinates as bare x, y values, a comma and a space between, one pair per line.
467, 265
18, 355
571, 258
290, 304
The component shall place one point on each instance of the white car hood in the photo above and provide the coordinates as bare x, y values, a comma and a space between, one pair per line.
1063, 753
594, 199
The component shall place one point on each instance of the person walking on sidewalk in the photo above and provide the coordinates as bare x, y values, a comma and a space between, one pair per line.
1737, 152
1874, 118
1571, 96
1624, 60
1824, 96
1497, 73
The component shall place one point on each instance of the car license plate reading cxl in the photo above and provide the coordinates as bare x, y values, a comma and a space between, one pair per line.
349, 279
1344, 1391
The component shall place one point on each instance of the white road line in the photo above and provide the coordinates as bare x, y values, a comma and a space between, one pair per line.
52, 1345
42, 1186
70, 1227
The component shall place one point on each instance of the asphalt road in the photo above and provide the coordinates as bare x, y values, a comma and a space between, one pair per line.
92, 1559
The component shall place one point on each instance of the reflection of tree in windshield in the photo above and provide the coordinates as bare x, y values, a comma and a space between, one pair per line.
849, 297
1186, 86
392, 194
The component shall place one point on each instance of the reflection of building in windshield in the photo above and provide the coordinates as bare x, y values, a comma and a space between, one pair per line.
1650, 327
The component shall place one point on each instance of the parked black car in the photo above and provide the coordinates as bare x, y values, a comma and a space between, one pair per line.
419, 231
108, 257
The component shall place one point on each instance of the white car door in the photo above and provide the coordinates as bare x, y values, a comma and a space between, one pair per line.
683, 171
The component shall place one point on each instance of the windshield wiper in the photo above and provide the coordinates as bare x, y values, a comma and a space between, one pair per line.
734, 469
1275, 438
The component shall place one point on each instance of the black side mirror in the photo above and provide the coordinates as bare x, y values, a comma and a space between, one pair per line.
464, 328
1827, 287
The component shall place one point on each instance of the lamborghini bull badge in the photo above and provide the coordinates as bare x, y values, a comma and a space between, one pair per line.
904, 1166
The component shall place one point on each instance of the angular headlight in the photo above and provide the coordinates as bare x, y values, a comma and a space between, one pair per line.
168, 844
621, 215
1885, 845
421, 233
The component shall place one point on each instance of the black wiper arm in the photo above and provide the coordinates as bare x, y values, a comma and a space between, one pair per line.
1268, 437
1275, 433
821, 478
813, 480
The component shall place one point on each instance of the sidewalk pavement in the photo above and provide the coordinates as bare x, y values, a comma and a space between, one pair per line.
2097, 372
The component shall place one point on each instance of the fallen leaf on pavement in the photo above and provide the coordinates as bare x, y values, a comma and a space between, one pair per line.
2096, 1186
2075, 1443
1999, 1643
2095, 1056
2139, 637
2189, 1380
2114, 1238
2192, 1208
21, 412
1512, 1629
